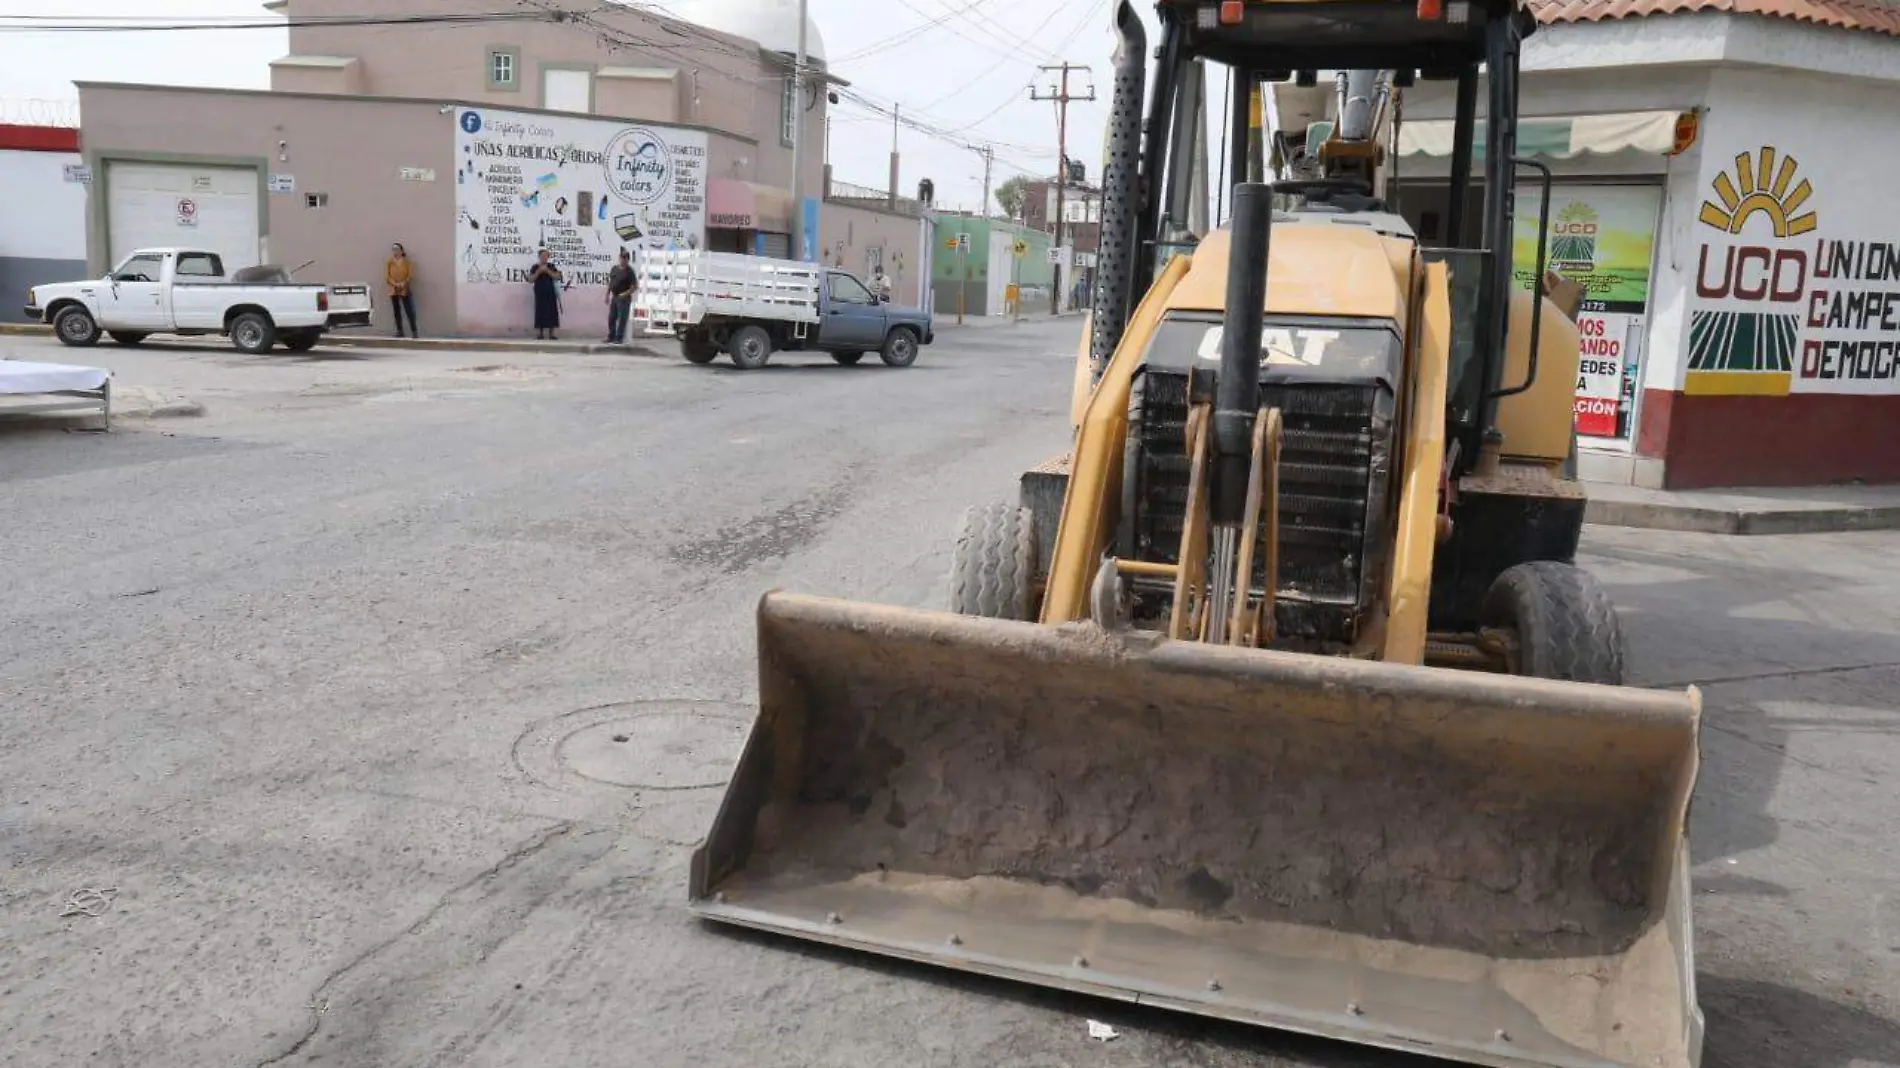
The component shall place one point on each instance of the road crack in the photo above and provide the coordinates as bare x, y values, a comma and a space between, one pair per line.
319, 1000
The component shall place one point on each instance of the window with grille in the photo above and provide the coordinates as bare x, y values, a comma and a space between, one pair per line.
787, 111
502, 68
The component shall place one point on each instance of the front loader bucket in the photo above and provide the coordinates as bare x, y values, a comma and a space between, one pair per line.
1481, 867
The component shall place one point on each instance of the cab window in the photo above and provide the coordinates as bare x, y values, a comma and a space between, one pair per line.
849, 290
200, 265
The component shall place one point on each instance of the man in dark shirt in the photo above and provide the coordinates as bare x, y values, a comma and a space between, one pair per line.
619, 299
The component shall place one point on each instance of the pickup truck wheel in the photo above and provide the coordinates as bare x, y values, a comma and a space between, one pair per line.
750, 347
849, 359
124, 337
698, 348
301, 340
75, 326
900, 348
253, 332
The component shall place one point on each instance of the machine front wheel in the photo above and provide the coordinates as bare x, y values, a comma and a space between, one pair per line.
1564, 624
993, 567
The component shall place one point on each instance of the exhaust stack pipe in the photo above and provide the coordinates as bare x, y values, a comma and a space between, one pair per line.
1114, 289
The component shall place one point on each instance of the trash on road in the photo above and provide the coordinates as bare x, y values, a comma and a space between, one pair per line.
1101, 1032
89, 901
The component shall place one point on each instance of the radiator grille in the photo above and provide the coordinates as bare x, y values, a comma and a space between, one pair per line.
1333, 477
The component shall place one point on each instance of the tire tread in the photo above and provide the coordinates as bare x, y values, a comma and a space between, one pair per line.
1567, 627
992, 568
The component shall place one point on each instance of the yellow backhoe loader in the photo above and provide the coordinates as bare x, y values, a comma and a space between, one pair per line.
1279, 698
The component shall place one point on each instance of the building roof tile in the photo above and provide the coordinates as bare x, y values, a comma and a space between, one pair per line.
1874, 16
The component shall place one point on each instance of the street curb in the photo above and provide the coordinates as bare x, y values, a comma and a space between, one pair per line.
460, 344
455, 344
1694, 520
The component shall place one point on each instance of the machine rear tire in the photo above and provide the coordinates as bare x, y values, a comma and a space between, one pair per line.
993, 567
849, 359
125, 337
750, 347
1566, 626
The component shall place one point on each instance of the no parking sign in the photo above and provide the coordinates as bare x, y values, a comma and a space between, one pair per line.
187, 211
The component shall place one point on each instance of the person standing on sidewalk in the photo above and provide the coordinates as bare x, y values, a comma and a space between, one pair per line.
398, 271
546, 279
619, 299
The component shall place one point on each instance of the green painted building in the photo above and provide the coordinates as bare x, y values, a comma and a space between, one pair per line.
979, 276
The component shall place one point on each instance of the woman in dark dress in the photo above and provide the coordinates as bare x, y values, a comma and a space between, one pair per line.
546, 278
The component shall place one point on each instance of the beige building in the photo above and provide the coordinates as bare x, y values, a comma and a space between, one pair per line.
475, 138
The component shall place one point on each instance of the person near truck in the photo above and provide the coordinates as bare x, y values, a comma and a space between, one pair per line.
398, 272
620, 283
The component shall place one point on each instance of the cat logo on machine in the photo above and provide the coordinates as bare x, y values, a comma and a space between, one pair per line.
1294, 346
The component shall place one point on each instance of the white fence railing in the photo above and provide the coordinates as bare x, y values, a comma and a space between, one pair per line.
680, 288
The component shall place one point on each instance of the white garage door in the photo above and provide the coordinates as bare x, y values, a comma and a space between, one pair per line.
174, 204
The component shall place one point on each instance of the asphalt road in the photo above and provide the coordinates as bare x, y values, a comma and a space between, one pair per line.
325, 685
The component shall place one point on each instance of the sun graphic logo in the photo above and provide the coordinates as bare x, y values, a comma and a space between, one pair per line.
1573, 244
1760, 185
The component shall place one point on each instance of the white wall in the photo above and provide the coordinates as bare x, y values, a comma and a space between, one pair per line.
42, 216
1845, 146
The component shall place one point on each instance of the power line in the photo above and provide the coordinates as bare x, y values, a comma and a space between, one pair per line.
1053, 12
990, 45
912, 33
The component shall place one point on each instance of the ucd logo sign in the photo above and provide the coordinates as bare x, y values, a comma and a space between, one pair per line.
1747, 344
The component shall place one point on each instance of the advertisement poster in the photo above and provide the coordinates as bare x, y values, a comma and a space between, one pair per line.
1602, 236
581, 188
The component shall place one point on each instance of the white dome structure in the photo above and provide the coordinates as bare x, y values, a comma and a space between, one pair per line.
772, 23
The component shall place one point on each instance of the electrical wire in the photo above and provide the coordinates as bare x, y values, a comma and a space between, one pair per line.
903, 36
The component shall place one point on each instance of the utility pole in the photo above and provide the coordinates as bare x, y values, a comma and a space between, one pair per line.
989, 156
799, 237
1061, 96
891, 197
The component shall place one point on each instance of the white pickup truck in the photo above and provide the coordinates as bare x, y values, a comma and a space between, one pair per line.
184, 291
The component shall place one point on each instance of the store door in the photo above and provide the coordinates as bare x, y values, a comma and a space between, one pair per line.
1603, 236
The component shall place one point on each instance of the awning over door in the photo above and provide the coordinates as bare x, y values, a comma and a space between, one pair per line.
1647, 132
732, 204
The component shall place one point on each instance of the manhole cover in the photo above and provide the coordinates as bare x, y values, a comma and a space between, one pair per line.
657, 750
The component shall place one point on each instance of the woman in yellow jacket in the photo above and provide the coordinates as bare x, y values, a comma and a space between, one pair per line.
397, 271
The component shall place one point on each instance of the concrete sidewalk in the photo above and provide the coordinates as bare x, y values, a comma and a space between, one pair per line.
1767, 510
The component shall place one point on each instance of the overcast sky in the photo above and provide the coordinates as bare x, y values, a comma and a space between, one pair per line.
972, 70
